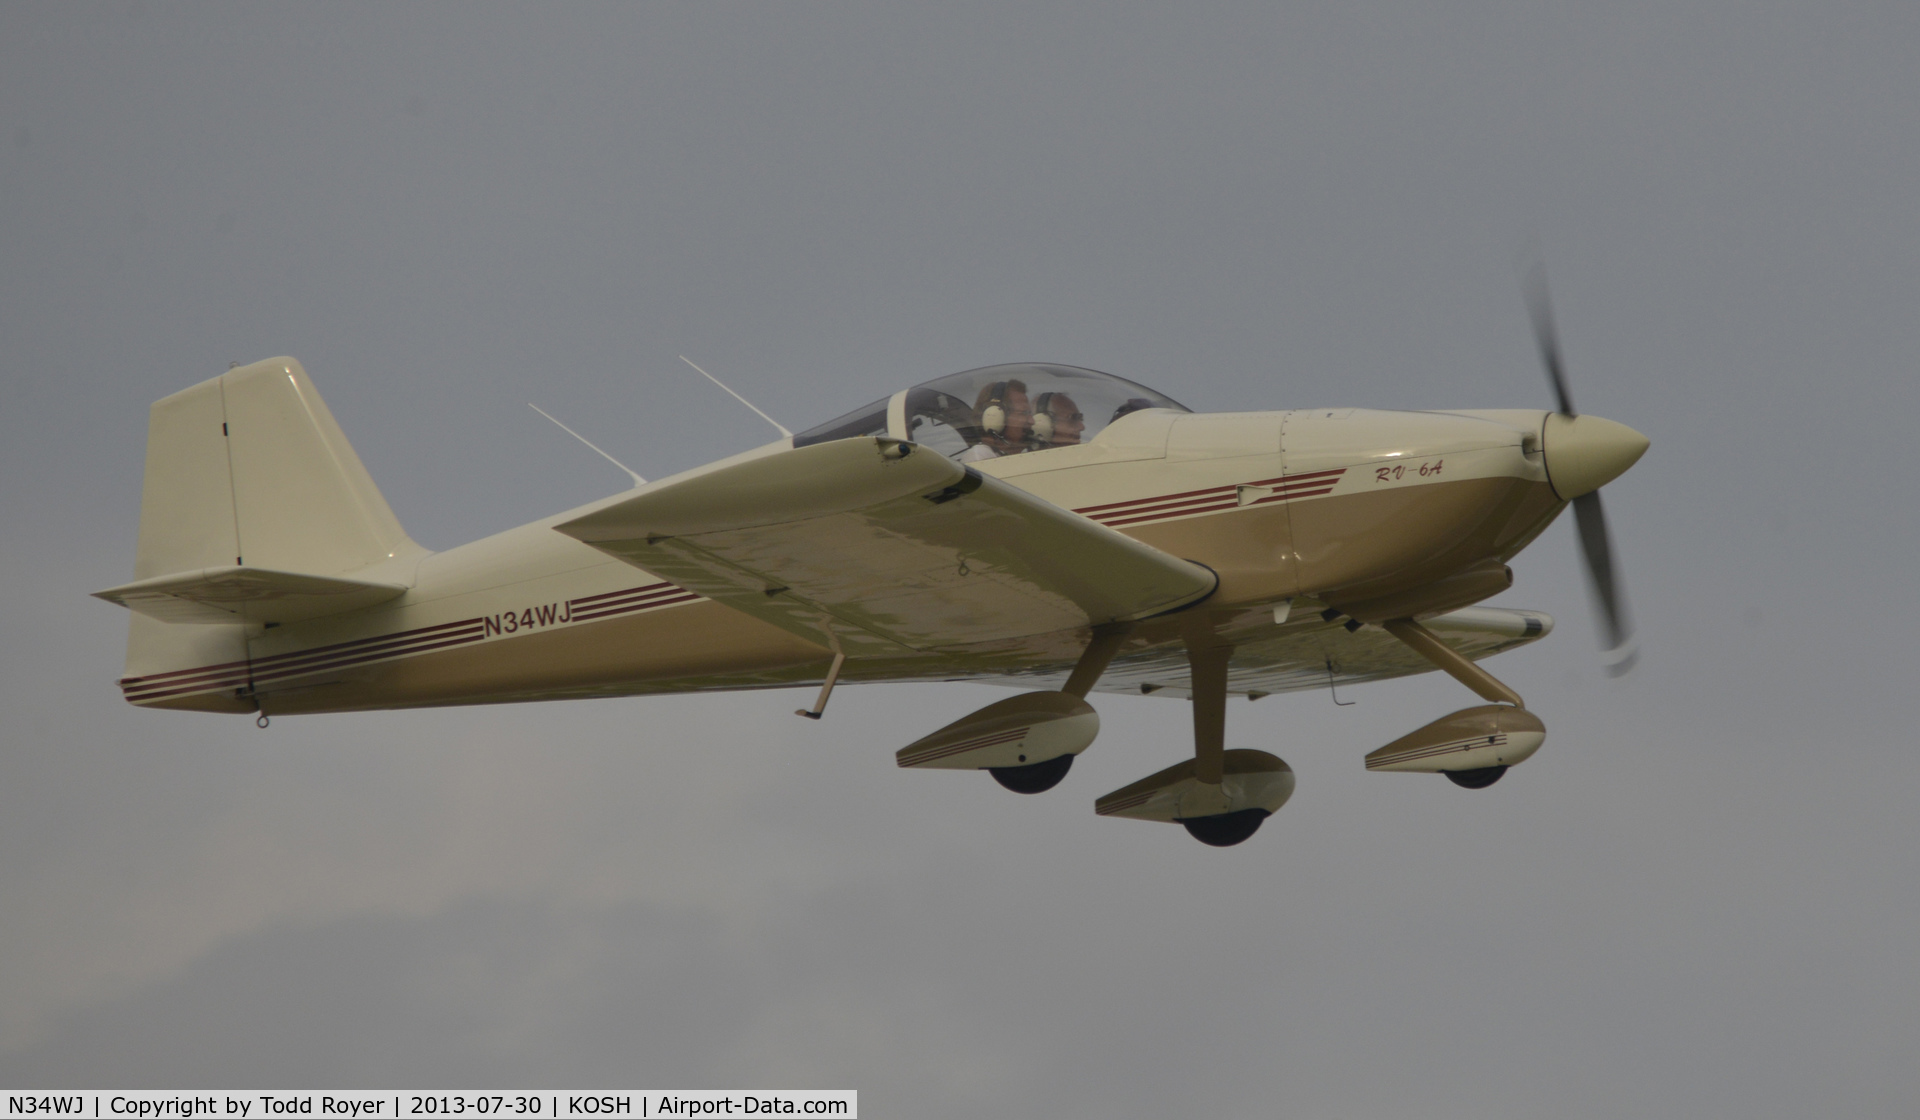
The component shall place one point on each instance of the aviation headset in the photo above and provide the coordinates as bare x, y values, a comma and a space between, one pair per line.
1042, 419
993, 418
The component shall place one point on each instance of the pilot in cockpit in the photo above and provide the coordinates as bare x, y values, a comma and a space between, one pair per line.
999, 410
1004, 416
1057, 421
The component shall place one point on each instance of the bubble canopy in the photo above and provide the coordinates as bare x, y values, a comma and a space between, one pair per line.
998, 410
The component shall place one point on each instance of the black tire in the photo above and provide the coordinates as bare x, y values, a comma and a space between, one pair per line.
1475, 779
1226, 829
1037, 777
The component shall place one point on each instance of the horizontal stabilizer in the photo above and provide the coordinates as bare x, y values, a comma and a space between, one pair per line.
874, 545
229, 595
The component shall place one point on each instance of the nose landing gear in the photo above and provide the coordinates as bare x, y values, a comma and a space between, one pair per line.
1476, 779
1472, 747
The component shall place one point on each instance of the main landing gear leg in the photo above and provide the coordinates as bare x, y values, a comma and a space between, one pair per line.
1207, 659
1094, 661
1219, 796
1209, 815
1038, 777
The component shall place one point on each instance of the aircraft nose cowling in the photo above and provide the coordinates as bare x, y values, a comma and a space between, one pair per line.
1585, 453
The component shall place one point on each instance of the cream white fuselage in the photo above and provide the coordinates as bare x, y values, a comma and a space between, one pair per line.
1313, 511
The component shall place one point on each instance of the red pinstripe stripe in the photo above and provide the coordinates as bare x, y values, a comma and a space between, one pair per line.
1455, 747
359, 651
1133, 802
1290, 495
1171, 514
264, 672
1215, 505
1134, 511
240, 668
374, 646
1156, 498
609, 612
1013, 736
1229, 495
218, 684
654, 592
362, 658
612, 594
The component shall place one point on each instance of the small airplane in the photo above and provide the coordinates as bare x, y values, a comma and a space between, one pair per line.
1041, 526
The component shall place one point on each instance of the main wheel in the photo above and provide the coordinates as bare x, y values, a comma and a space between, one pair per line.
1224, 830
1037, 777
1475, 779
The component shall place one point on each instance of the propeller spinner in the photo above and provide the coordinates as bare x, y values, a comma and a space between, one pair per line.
1584, 453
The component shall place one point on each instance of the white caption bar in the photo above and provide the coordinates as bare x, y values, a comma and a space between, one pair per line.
385, 1105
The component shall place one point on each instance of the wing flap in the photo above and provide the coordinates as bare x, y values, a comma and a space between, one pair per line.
243, 594
865, 544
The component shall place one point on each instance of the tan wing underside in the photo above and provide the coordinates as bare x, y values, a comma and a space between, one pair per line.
851, 546
1310, 654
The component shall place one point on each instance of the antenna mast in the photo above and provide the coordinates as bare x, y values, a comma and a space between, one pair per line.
777, 425
637, 480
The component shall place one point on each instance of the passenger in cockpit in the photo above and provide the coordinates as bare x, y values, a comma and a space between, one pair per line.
1005, 418
1057, 421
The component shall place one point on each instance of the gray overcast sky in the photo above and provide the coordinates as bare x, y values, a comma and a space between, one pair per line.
1697, 900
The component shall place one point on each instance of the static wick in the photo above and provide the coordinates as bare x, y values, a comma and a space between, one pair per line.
779, 427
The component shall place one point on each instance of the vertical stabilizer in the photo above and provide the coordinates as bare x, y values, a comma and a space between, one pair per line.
251, 469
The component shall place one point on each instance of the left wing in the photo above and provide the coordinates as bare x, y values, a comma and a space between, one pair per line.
874, 545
